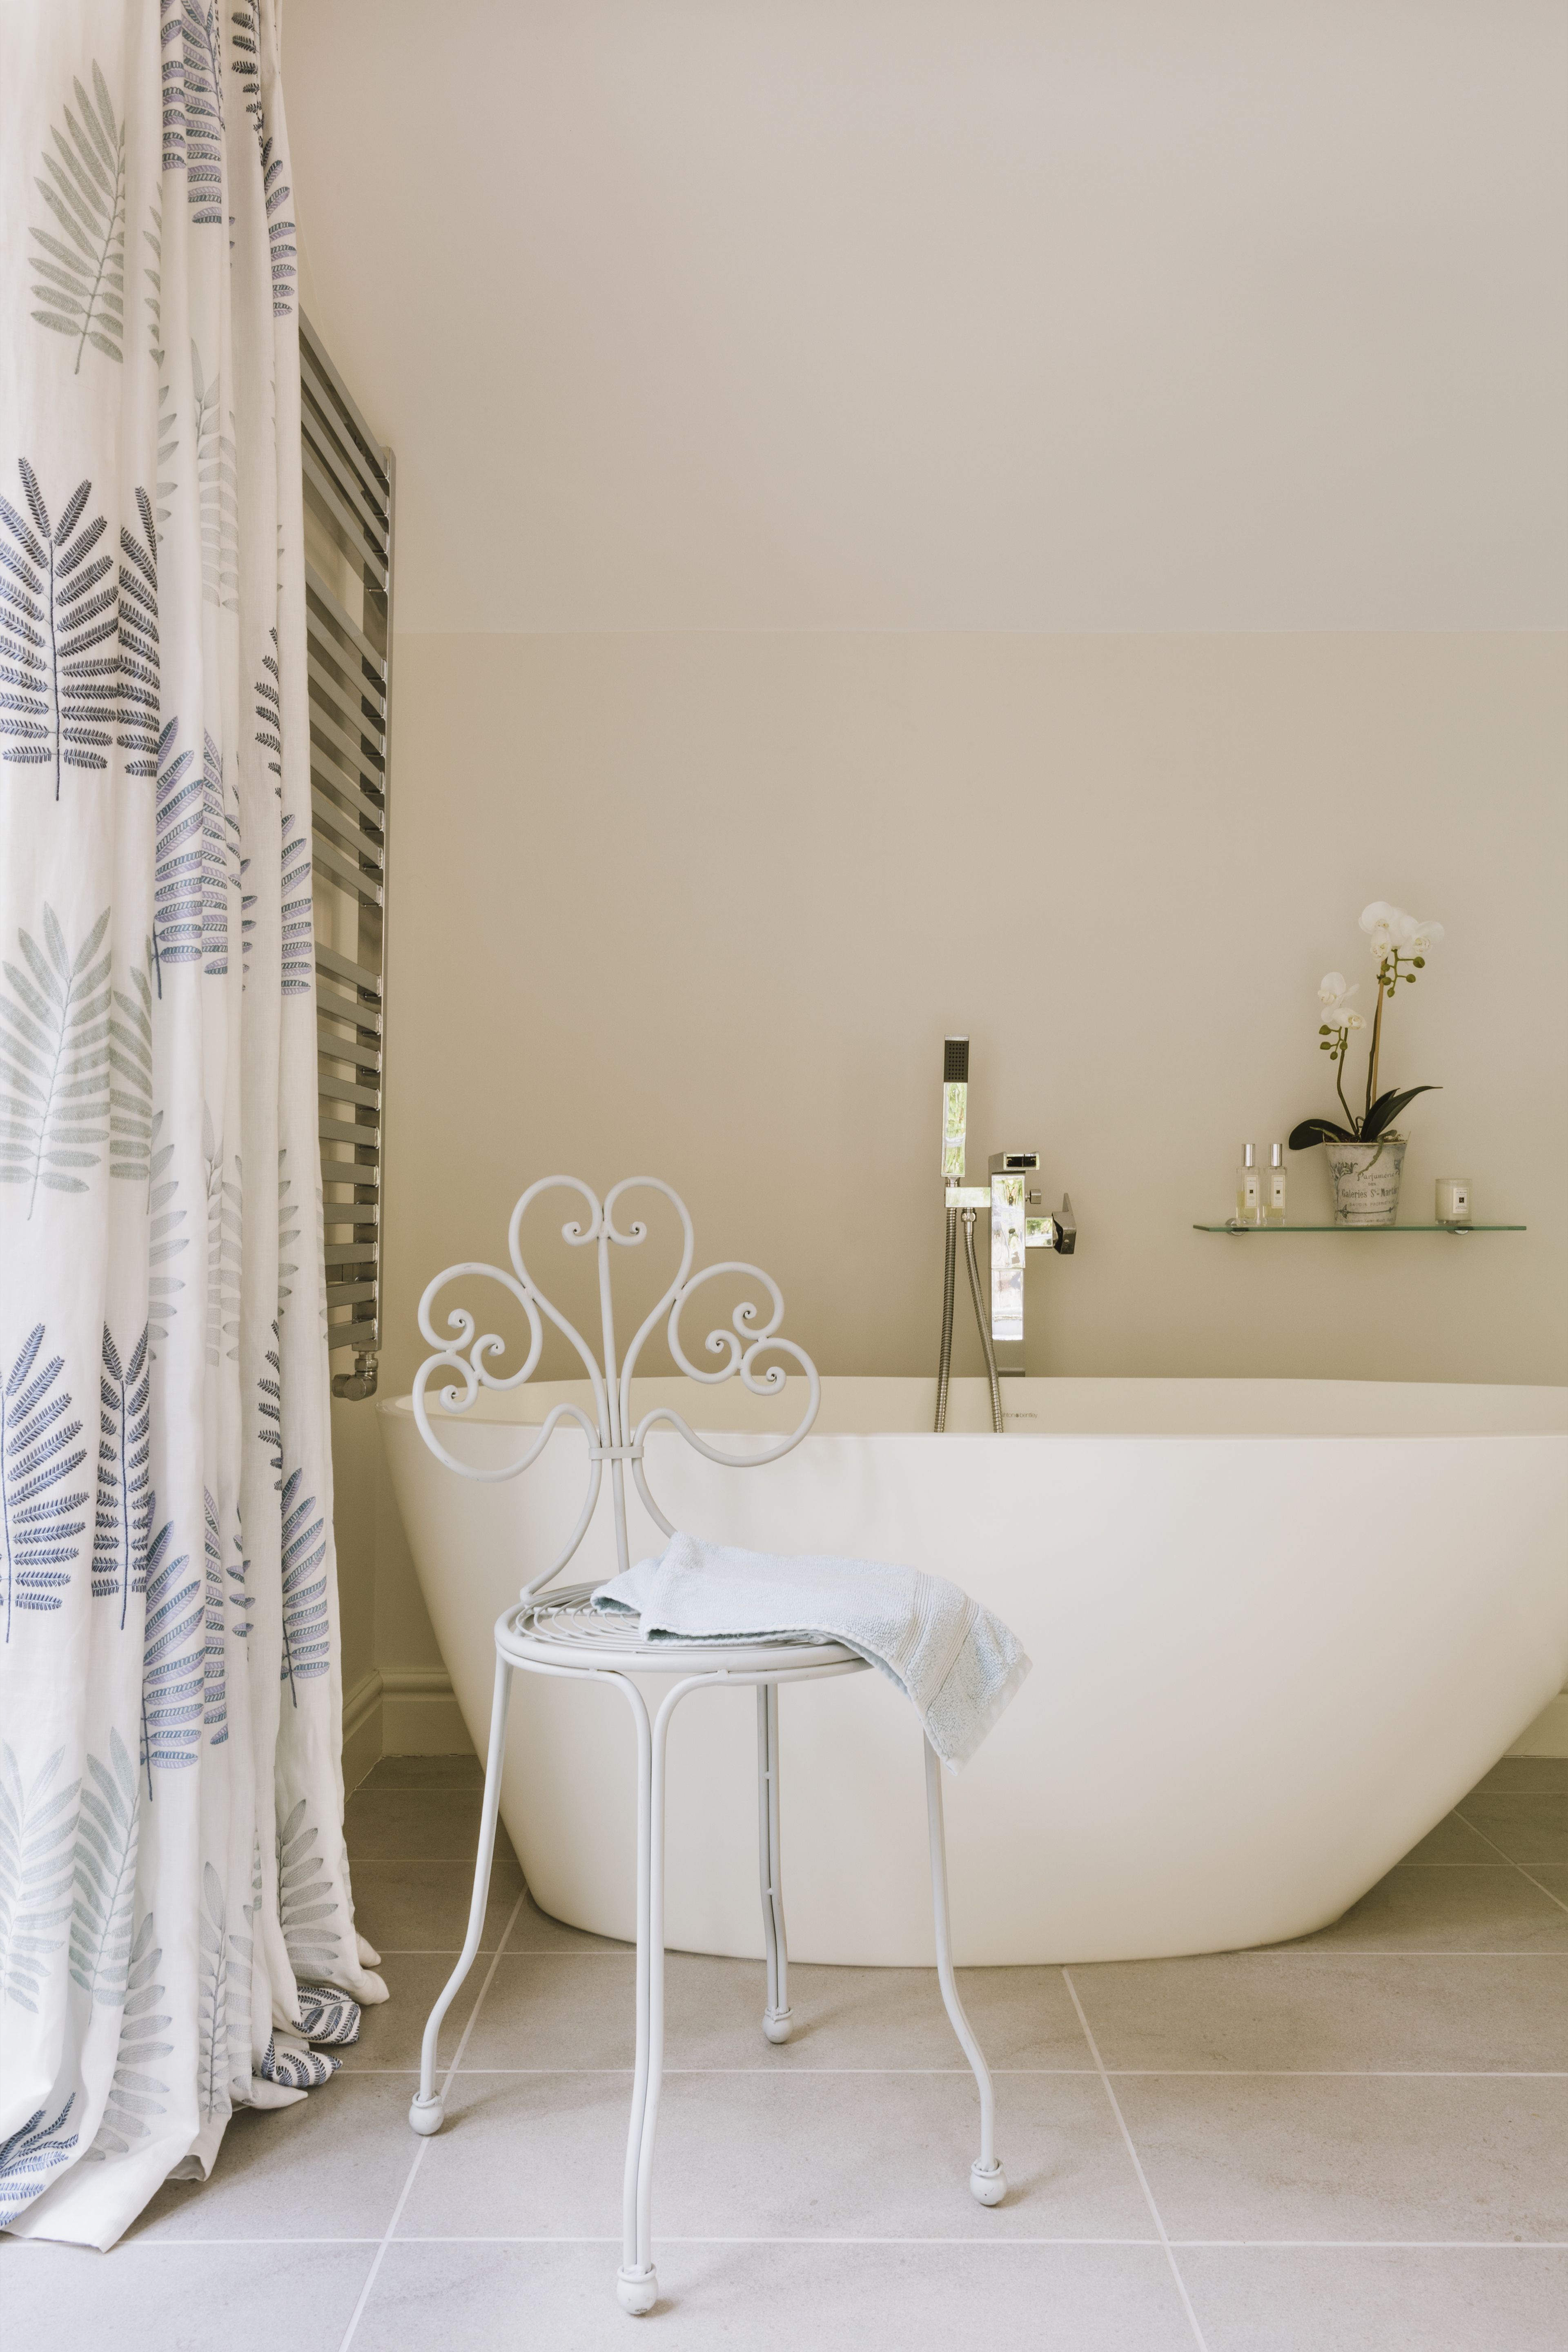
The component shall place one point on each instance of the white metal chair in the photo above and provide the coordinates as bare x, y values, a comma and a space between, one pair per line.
564, 1636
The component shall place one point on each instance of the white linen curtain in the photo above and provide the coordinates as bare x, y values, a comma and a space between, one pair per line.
175, 1919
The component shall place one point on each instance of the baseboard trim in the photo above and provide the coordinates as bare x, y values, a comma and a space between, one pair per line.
411, 1711
361, 1729
419, 1715
1547, 1734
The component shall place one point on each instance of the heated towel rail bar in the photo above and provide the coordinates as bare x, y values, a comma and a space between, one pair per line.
350, 485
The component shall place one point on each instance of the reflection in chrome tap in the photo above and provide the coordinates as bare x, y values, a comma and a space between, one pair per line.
1015, 1202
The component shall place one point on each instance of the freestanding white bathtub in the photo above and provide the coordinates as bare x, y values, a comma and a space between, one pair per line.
1278, 1627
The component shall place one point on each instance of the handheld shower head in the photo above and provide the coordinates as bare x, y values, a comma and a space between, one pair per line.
954, 1106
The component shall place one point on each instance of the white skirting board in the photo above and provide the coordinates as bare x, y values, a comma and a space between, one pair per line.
412, 1712
1547, 1734
400, 1712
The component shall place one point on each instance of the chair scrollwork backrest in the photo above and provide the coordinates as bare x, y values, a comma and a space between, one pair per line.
611, 1436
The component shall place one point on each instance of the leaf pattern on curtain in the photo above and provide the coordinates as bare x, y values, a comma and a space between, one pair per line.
37, 1522
219, 483
174, 1659
165, 1240
104, 1877
225, 1214
124, 1477
138, 636
304, 1895
299, 918
61, 698
172, 1859
213, 2001
202, 106
168, 431
153, 239
214, 1655
130, 1118
54, 1058
38, 1859
305, 1609
84, 287
135, 2093
220, 862
269, 710
179, 888
171, 75
30, 2154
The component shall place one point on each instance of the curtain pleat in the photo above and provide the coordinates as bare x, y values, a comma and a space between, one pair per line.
176, 1924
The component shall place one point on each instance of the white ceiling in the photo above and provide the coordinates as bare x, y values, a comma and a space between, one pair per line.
894, 314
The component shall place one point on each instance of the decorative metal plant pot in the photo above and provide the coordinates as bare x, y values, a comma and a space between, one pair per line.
1366, 1180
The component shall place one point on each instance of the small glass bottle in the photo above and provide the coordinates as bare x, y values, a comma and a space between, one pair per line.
1274, 1198
1249, 1190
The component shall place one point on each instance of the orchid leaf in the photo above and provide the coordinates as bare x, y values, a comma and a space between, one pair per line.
1318, 1131
1386, 1109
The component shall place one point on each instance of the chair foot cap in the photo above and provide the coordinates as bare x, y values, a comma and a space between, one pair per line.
426, 2116
637, 2291
778, 2025
987, 2187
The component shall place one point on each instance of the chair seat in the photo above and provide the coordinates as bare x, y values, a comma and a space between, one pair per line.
563, 1628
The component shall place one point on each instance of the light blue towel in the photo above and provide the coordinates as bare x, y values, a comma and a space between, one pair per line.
956, 1663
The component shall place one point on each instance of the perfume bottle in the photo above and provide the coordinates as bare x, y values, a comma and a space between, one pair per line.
1249, 1190
1274, 1198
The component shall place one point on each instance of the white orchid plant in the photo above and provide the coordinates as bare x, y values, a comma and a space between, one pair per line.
1399, 944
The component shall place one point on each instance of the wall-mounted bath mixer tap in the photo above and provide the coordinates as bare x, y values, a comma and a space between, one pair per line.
1015, 1203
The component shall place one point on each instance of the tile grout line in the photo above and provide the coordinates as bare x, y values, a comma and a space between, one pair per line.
48, 2249
1043, 2074
1515, 1866
1309, 1951
1137, 2165
396, 2215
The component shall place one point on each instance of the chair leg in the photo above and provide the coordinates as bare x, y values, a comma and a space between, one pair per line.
638, 2285
637, 2281
777, 2021
986, 2179
427, 2113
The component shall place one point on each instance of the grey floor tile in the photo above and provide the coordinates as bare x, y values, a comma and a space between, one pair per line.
536, 1931
558, 2009
1535, 1775
1453, 1841
1382, 2299
566, 2012
1333, 2158
868, 2017
142, 2298
717, 2298
426, 1772
390, 2034
332, 2167
1529, 1830
426, 1824
1324, 2011
1455, 1910
423, 1906
1555, 1882
791, 2155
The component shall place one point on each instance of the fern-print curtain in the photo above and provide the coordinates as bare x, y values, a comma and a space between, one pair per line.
176, 1928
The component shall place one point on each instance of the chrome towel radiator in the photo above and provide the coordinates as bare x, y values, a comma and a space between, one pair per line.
350, 480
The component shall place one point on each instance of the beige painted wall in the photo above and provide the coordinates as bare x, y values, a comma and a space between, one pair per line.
706, 905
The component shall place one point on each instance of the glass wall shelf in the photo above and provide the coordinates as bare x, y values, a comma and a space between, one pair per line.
1238, 1231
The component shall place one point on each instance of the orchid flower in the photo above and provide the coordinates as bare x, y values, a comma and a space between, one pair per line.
1381, 922
1399, 944
1335, 999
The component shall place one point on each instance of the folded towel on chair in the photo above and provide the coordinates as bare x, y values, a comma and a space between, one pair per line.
956, 1663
